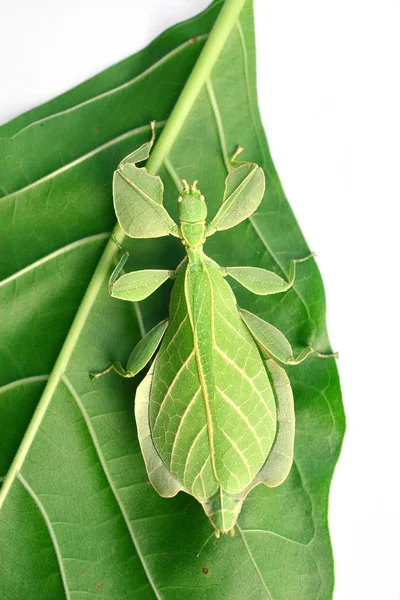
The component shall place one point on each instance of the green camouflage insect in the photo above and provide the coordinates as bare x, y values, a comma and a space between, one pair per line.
215, 413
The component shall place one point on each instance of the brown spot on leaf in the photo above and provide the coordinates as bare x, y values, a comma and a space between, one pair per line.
99, 585
194, 40
97, 129
73, 153
204, 570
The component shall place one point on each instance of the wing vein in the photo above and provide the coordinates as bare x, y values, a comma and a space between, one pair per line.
237, 450
190, 451
170, 387
244, 374
185, 412
242, 416
209, 423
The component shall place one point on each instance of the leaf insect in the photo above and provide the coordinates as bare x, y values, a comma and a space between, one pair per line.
215, 413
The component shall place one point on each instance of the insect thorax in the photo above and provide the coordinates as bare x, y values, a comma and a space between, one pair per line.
192, 215
193, 234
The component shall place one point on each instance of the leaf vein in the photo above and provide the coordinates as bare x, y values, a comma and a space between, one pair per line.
55, 254
113, 488
254, 562
51, 531
242, 416
185, 413
244, 375
22, 381
237, 450
77, 161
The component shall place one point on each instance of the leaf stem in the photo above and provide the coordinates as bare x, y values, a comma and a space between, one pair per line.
219, 34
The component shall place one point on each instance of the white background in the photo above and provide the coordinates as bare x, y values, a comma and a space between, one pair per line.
328, 75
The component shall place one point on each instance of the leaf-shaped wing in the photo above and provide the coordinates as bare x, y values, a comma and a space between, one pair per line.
160, 477
212, 410
279, 461
222, 508
244, 189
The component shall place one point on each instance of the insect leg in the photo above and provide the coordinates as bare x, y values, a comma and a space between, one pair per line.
115, 366
274, 343
233, 160
121, 263
292, 268
263, 282
140, 356
303, 354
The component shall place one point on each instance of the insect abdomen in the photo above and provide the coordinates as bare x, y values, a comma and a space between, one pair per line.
210, 384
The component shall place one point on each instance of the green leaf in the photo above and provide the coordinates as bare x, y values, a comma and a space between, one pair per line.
78, 516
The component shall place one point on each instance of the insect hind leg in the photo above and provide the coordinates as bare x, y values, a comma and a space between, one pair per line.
115, 366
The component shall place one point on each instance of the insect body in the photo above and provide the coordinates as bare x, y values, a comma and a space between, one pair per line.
215, 412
